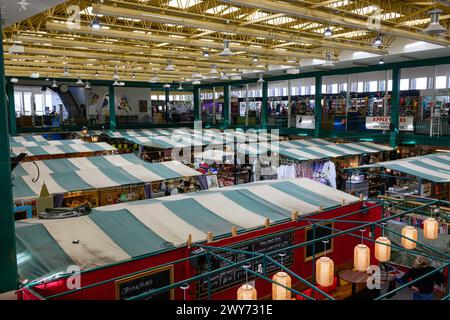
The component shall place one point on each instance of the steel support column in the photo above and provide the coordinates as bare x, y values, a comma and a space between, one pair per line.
197, 116
265, 99
318, 106
395, 101
112, 108
8, 259
226, 107
11, 108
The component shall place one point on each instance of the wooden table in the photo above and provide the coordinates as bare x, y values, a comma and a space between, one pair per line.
354, 277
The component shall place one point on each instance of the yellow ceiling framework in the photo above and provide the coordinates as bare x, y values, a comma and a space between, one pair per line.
138, 39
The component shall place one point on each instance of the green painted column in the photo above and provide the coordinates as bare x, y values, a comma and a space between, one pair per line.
265, 99
112, 108
11, 108
318, 107
395, 102
226, 107
8, 259
197, 104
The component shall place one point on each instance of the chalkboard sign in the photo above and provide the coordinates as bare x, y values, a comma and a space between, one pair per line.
319, 246
145, 282
233, 276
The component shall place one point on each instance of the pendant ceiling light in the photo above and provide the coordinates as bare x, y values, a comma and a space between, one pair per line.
95, 24
434, 28
409, 233
14, 80
246, 291
430, 228
226, 52
224, 77
328, 33
35, 75
116, 83
116, 75
66, 71
214, 69
54, 84
206, 54
382, 249
261, 80
378, 41
180, 87
255, 59
170, 66
88, 85
361, 255
328, 62
281, 277
166, 86
324, 269
96, 73
196, 82
154, 79
381, 61
80, 82
196, 75
133, 76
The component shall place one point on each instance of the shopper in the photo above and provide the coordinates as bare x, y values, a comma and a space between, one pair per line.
423, 289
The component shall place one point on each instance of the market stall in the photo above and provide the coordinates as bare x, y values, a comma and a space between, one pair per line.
425, 176
99, 180
132, 237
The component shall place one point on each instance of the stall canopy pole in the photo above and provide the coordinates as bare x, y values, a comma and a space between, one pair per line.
265, 94
8, 260
112, 108
395, 101
196, 104
226, 107
318, 107
12, 108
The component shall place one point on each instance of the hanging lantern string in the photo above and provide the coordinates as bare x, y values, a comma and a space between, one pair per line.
362, 235
325, 242
383, 228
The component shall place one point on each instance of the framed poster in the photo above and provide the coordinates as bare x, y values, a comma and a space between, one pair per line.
143, 106
145, 282
319, 246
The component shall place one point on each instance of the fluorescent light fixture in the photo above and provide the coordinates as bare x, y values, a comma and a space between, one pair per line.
196, 82
14, 80
226, 52
293, 71
196, 75
167, 86
434, 28
236, 77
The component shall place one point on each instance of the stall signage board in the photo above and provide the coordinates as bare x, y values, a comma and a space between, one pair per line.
382, 123
305, 122
425, 189
234, 276
145, 282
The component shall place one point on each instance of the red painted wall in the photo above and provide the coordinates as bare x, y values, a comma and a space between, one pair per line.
342, 252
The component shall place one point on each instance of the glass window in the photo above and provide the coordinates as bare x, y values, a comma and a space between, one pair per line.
39, 103
420, 83
373, 86
18, 103
360, 87
389, 85
324, 88
334, 88
27, 103
49, 101
441, 82
404, 84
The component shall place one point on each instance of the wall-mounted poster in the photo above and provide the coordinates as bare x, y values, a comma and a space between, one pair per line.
143, 106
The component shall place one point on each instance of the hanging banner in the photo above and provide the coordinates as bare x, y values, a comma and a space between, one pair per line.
382, 123
305, 122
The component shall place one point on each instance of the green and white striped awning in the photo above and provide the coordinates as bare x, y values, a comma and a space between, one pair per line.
433, 167
332, 150
76, 174
58, 147
120, 232
303, 143
27, 138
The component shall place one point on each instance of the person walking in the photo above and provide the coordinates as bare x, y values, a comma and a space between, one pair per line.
423, 289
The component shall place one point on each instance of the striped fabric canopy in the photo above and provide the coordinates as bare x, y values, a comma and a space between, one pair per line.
120, 232
76, 174
27, 138
293, 144
433, 167
144, 132
332, 150
58, 147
